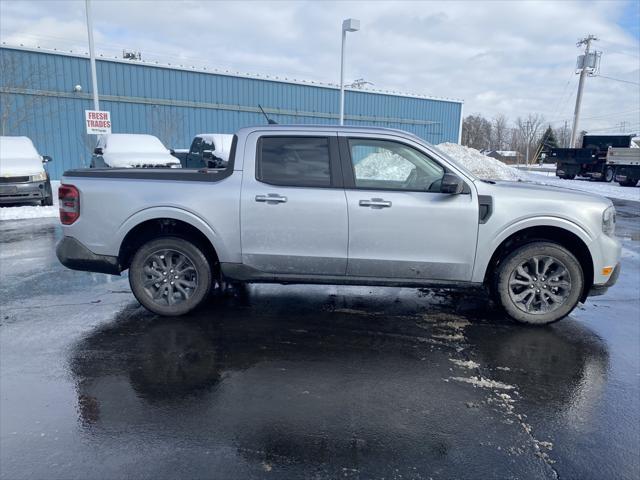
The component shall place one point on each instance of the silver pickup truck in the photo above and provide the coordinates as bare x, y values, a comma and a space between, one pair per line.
338, 205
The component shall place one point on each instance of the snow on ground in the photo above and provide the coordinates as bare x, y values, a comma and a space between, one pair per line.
32, 211
611, 190
489, 168
480, 165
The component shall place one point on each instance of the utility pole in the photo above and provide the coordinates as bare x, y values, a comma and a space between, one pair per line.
583, 73
528, 133
348, 25
92, 57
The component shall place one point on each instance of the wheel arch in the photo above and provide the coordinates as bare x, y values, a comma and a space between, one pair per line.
571, 240
153, 223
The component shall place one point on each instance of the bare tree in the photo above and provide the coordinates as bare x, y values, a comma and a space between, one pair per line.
499, 133
476, 132
529, 132
165, 124
18, 104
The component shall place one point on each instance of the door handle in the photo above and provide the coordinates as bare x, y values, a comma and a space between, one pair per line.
375, 203
271, 198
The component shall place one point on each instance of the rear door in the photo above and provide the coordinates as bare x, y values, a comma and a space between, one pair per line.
293, 207
400, 225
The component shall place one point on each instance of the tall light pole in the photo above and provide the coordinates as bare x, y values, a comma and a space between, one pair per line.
92, 57
583, 73
348, 25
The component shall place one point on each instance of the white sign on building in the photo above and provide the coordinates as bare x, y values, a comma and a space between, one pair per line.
97, 123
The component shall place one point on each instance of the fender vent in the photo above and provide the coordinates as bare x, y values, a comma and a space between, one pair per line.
486, 208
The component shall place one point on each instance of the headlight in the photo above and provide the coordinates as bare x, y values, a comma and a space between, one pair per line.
40, 177
609, 221
176, 165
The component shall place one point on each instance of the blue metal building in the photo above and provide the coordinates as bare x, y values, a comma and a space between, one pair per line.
38, 99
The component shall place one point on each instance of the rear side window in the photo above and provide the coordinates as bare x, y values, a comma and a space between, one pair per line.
294, 161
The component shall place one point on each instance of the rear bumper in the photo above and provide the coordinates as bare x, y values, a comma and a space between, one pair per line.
22, 192
74, 255
602, 289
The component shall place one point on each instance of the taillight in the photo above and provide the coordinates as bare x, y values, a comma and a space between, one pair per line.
69, 197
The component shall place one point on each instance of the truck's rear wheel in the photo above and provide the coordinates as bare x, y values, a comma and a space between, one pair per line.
609, 173
170, 276
539, 283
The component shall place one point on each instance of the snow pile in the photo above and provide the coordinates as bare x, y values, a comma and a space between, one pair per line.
480, 165
384, 165
26, 212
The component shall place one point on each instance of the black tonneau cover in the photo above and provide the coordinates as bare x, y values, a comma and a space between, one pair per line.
174, 174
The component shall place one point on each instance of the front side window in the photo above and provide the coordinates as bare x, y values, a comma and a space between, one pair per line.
294, 161
384, 164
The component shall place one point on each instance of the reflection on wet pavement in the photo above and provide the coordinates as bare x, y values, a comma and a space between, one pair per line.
331, 384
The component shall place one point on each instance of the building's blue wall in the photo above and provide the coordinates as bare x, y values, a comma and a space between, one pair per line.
36, 92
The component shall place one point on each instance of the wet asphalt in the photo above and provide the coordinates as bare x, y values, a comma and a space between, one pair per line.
309, 381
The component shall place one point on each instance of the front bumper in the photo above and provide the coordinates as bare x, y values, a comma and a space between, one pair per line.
602, 289
22, 192
74, 255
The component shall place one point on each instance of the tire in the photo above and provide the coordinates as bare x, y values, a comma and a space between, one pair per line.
629, 183
567, 177
156, 260
609, 174
552, 297
47, 201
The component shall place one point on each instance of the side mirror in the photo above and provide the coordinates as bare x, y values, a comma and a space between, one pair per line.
451, 183
98, 151
46, 159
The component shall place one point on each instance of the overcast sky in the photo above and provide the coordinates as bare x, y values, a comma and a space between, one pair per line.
510, 57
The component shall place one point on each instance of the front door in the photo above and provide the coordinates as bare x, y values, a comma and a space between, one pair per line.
293, 210
400, 225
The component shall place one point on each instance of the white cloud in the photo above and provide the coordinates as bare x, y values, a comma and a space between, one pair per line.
500, 57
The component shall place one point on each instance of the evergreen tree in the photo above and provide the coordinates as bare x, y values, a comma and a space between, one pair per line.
548, 140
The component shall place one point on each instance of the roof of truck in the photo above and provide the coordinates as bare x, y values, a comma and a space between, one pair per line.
328, 128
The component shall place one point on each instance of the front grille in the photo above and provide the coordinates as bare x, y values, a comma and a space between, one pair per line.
14, 179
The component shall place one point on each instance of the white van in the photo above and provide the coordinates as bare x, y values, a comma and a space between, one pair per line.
129, 150
23, 178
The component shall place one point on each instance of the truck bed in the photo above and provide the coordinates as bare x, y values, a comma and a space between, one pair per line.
623, 156
574, 155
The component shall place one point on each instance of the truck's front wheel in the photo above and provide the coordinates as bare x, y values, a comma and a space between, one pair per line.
170, 276
539, 283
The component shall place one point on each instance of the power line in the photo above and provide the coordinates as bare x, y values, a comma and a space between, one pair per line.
604, 115
617, 79
632, 126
